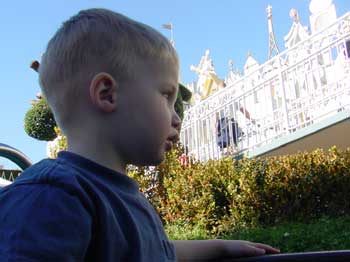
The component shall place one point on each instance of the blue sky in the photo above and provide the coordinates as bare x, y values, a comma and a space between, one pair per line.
228, 28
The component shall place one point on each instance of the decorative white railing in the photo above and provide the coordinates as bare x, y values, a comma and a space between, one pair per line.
299, 87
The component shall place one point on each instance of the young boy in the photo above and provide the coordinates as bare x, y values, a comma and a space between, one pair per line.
111, 83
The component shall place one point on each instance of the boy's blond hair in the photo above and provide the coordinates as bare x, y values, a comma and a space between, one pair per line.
93, 41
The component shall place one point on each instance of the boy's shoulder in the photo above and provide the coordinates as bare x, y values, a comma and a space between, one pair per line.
54, 179
50, 174
48, 171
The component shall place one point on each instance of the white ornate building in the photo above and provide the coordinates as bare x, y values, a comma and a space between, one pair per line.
297, 100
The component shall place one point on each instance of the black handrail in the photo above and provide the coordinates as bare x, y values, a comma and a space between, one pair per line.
319, 256
15, 156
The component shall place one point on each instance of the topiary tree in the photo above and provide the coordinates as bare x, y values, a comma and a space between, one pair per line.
39, 122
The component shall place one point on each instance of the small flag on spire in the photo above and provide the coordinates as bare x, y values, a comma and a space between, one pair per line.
168, 26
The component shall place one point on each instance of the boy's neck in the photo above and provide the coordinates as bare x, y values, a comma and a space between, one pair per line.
106, 159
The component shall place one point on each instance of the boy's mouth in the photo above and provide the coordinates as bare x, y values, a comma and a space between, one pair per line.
173, 138
170, 142
168, 145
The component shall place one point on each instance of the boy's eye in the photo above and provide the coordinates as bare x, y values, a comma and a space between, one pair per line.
168, 95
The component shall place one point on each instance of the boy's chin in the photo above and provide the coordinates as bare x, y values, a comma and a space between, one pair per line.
154, 161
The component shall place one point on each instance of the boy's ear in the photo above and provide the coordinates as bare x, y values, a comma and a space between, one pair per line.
103, 92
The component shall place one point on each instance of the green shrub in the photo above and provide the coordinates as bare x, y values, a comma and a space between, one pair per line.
183, 231
222, 194
39, 121
325, 233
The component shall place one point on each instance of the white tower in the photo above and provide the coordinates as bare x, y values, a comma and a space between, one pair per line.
232, 76
272, 41
323, 13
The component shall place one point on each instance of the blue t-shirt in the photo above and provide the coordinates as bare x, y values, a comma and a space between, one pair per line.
72, 209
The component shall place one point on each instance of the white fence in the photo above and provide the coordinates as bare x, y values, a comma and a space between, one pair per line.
296, 88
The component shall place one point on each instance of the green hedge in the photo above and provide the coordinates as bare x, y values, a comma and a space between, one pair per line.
222, 194
39, 121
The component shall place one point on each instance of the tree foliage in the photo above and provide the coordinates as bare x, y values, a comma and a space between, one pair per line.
222, 194
39, 121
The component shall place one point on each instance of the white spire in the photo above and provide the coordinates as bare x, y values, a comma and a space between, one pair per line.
250, 65
293, 13
297, 32
232, 75
272, 41
230, 64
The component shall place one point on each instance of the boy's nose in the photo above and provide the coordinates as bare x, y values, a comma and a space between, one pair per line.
176, 122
